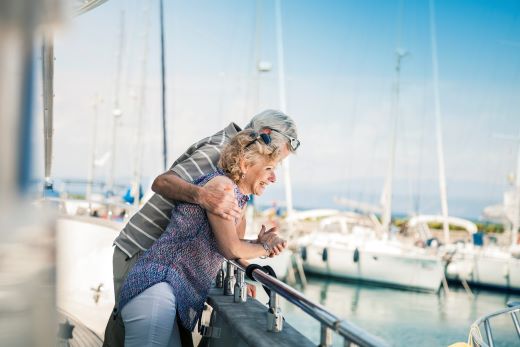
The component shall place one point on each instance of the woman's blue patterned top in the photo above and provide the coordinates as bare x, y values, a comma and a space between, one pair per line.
186, 256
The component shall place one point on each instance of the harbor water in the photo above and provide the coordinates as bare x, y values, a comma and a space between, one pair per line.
405, 318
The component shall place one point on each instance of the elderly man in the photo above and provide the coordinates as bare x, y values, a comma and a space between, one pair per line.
150, 221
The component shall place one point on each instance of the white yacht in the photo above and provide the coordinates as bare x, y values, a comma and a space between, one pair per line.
348, 246
486, 266
477, 262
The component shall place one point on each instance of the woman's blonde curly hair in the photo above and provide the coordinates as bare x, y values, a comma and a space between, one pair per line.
242, 148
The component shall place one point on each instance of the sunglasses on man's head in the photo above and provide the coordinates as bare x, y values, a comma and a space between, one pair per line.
295, 143
264, 136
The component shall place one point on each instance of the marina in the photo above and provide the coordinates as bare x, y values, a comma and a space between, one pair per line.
395, 223
403, 317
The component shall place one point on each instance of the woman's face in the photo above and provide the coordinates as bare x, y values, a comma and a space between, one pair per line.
258, 176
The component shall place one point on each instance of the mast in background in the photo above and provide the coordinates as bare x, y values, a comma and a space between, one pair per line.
93, 151
163, 85
136, 184
387, 192
512, 197
48, 105
116, 112
283, 106
438, 126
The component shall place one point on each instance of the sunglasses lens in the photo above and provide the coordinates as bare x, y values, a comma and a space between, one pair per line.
266, 138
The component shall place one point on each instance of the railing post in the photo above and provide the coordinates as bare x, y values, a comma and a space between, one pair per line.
515, 322
240, 287
274, 314
489, 335
219, 281
325, 336
229, 282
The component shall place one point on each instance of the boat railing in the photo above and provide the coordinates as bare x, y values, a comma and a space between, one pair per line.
330, 323
475, 336
114, 210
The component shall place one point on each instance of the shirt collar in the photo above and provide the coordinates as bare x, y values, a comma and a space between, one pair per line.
232, 129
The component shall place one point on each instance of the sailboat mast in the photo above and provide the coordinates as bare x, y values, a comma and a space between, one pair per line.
516, 217
116, 112
48, 98
93, 151
387, 193
438, 125
163, 87
283, 105
140, 109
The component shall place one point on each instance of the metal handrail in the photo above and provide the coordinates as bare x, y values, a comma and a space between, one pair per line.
475, 335
347, 330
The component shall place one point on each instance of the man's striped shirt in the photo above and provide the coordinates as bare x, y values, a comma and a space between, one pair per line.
151, 220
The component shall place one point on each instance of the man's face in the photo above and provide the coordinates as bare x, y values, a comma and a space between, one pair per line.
284, 152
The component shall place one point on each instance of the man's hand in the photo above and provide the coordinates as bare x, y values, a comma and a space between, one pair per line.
219, 199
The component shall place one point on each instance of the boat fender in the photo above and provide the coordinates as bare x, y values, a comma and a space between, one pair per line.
267, 269
325, 255
303, 253
252, 267
356, 255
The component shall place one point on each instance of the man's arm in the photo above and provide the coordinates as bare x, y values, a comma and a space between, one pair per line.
218, 199
229, 243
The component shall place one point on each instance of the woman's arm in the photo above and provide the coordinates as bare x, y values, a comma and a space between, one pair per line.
241, 227
229, 244
228, 239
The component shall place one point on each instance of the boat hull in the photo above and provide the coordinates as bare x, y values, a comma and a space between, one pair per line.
85, 288
422, 273
490, 269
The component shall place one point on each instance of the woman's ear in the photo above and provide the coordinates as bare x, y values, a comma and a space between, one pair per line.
243, 166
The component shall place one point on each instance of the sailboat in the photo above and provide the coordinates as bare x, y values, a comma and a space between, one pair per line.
349, 246
359, 247
490, 264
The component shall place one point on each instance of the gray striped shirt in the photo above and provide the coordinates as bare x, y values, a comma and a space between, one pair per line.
151, 220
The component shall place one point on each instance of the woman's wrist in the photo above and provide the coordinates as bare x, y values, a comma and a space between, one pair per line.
266, 247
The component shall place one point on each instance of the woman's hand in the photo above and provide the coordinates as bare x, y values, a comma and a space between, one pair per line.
270, 237
264, 236
277, 245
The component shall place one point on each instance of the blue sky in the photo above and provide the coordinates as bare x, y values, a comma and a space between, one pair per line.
339, 64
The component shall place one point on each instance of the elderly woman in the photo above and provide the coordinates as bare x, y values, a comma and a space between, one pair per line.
172, 279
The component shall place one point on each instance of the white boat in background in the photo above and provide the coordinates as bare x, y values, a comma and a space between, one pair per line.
495, 265
474, 262
85, 290
489, 266
348, 246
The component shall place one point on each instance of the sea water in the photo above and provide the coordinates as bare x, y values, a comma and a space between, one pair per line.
405, 318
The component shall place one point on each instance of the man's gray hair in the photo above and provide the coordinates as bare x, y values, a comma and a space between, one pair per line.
276, 120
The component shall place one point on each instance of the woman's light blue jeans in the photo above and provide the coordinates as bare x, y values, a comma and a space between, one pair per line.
150, 318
